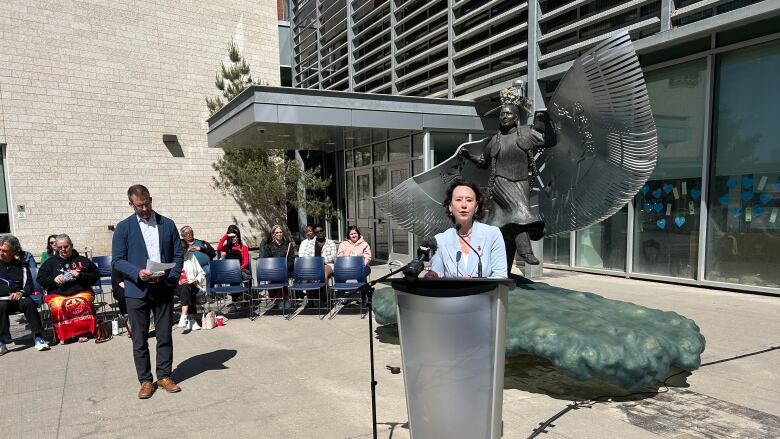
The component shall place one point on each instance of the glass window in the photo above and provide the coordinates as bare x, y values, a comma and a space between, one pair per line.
363, 156
556, 249
363, 192
399, 148
445, 144
380, 152
603, 245
417, 145
350, 194
378, 134
666, 209
380, 180
743, 227
348, 161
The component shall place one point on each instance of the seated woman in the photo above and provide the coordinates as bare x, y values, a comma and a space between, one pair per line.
464, 205
68, 279
279, 246
355, 245
231, 247
192, 280
51, 248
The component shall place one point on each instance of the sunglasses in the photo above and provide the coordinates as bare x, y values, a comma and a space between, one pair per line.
319, 231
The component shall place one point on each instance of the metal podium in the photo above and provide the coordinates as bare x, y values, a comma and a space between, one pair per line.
452, 347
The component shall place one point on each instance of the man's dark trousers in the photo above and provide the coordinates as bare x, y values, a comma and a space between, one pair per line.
25, 305
158, 301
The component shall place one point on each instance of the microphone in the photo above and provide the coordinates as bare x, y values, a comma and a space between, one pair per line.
424, 253
479, 258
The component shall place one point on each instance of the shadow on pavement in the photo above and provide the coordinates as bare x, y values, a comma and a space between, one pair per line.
198, 364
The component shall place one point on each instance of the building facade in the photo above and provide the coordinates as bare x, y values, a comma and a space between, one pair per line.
709, 214
96, 96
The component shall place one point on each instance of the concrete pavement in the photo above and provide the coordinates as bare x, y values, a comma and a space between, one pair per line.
309, 378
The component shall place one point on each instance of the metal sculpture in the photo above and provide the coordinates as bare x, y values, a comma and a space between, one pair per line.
606, 151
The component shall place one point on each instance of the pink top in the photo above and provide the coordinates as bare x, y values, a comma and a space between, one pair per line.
359, 248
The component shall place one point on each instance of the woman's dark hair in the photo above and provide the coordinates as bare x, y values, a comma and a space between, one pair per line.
234, 229
48, 247
355, 228
184, 244
479, 213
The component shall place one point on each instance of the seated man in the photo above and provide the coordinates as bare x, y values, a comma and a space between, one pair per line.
68, 279
16, 286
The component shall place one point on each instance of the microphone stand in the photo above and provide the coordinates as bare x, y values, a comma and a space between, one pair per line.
479, 258
369, 289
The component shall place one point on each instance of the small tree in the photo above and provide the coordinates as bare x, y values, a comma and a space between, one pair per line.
265, 183
234, 78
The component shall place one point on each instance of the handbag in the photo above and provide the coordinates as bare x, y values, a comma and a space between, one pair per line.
102, 334
209, 320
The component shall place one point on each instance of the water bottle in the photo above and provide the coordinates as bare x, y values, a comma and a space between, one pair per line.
115, 327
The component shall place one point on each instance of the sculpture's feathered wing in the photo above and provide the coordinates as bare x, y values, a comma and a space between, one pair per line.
606, 150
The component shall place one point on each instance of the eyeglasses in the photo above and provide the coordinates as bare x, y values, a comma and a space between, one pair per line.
319, 231
52, 242
141, 206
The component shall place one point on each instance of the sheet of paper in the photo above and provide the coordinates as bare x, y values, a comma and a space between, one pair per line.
158, 268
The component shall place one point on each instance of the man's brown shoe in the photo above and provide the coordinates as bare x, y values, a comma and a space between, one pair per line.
146, 391
169, 385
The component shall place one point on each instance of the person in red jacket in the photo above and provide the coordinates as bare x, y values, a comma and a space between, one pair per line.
231, 247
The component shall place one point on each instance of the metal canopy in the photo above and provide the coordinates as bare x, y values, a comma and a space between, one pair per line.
294, 118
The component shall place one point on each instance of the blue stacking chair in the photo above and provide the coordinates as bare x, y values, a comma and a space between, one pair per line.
271, 276
349, 280
225, 278
103, 264
309, 275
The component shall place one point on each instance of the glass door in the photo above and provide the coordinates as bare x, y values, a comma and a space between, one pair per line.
400, 239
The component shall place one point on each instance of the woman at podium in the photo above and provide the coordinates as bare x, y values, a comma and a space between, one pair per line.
470, 248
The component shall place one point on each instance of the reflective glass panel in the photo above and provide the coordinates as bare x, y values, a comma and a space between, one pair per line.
666, 209
399, 148
603, 245
743, 227
556, 249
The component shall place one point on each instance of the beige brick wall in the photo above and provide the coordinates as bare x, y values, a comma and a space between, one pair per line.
87, 90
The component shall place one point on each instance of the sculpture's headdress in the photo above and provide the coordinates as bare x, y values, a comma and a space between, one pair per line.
514, 96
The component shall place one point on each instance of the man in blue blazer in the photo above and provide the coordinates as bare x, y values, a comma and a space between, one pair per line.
147, 235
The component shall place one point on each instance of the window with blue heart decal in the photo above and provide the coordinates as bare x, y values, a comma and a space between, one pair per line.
695, 194
679, 221
648, 207
645, 189
765, 197
731, 184
736, 212
657, 193
668, 187
758, 210
724, 200
746, 195
658, 206
661, 223
747, 182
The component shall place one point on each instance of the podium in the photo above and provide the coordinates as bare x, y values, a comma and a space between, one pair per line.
452, 346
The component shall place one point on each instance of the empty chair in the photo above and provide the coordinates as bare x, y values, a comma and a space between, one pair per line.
309, 275
103, 264
225, 278
349, 280
271, 277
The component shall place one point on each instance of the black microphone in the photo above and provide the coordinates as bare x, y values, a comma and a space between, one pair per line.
424, 253
479, 258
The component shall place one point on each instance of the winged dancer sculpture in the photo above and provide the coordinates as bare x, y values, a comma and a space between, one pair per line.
606, 150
